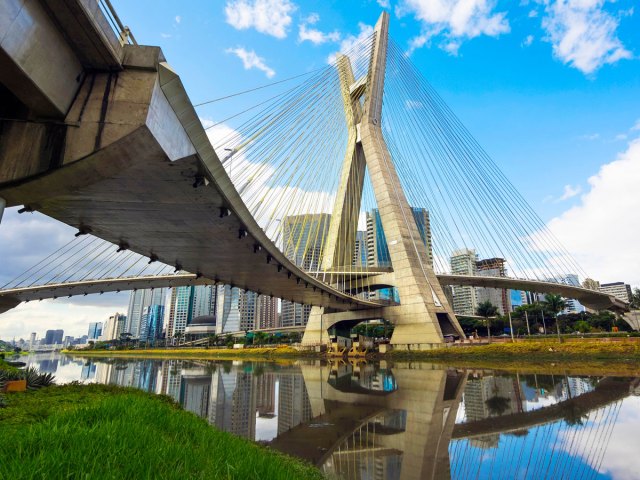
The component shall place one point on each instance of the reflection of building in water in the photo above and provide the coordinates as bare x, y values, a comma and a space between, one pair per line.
88, 371
266, 395
491, 396
48, 365
195, 391
222, 388
294, 407
170, 378
243, 414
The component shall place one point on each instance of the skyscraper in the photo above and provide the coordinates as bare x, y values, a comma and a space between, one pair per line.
95, 330
267, 312
249, 309
377, 248
304, 238
499, 297
360, 250
228, 309
188, 303
53, 337
139, 301
114, 327
151, 326
463, 262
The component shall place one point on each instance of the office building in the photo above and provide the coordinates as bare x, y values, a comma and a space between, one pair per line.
95, 330
114, 327
151, 323
618, 289
377, 248
228, 309
188, 303
139, 301
463, 262
360, 250
304, 237
267, 312
53, 337
249, 309
499, 297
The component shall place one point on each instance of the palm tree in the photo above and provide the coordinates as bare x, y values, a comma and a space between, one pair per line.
486, 310
554, 304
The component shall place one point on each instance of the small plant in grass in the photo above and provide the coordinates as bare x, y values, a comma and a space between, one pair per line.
35, 380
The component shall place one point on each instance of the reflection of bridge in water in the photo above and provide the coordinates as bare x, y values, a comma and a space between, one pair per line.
370, 421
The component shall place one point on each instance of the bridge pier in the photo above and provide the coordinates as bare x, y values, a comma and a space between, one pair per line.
3, 204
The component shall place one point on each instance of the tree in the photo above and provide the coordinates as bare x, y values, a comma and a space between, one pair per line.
486, 310
635, 298
554, 304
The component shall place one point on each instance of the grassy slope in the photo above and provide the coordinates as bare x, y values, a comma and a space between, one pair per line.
100, 431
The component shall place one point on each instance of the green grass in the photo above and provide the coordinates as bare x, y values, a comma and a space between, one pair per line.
102, 431
550, 350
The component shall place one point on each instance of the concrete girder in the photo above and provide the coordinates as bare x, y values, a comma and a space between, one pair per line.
128, 174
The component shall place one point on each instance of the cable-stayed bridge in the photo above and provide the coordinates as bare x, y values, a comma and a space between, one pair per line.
103, 137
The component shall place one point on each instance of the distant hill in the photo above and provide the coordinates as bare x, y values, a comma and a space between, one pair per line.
4, 346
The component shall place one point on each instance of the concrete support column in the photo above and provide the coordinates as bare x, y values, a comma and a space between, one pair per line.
3, 203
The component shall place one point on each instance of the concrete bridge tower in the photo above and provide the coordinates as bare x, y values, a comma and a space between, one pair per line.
424, 315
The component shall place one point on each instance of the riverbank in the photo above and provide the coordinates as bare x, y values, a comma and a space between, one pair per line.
618, 349
258, 353
545, 350
103, 431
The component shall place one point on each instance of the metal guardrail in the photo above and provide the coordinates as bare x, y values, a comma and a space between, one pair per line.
124, 33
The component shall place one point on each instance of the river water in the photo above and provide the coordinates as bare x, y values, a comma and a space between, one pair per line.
376, 420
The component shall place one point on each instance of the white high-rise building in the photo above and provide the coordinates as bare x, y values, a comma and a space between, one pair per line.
618, 289
114, 327
463, 262
228, 309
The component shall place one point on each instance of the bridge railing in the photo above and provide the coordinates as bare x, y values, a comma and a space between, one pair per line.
122, 31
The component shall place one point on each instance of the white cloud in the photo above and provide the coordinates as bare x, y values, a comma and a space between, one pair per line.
583, 34
528, 41
271, 17
384, 3
636, 126
602, 231
25, 240
316, 36
454, 21
620, 459
74, 319
312, 19
569, 192
178, 19
251, 60
621, 136
533, 14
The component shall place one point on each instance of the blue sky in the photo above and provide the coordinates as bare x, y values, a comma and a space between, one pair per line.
549, 119
548, 87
